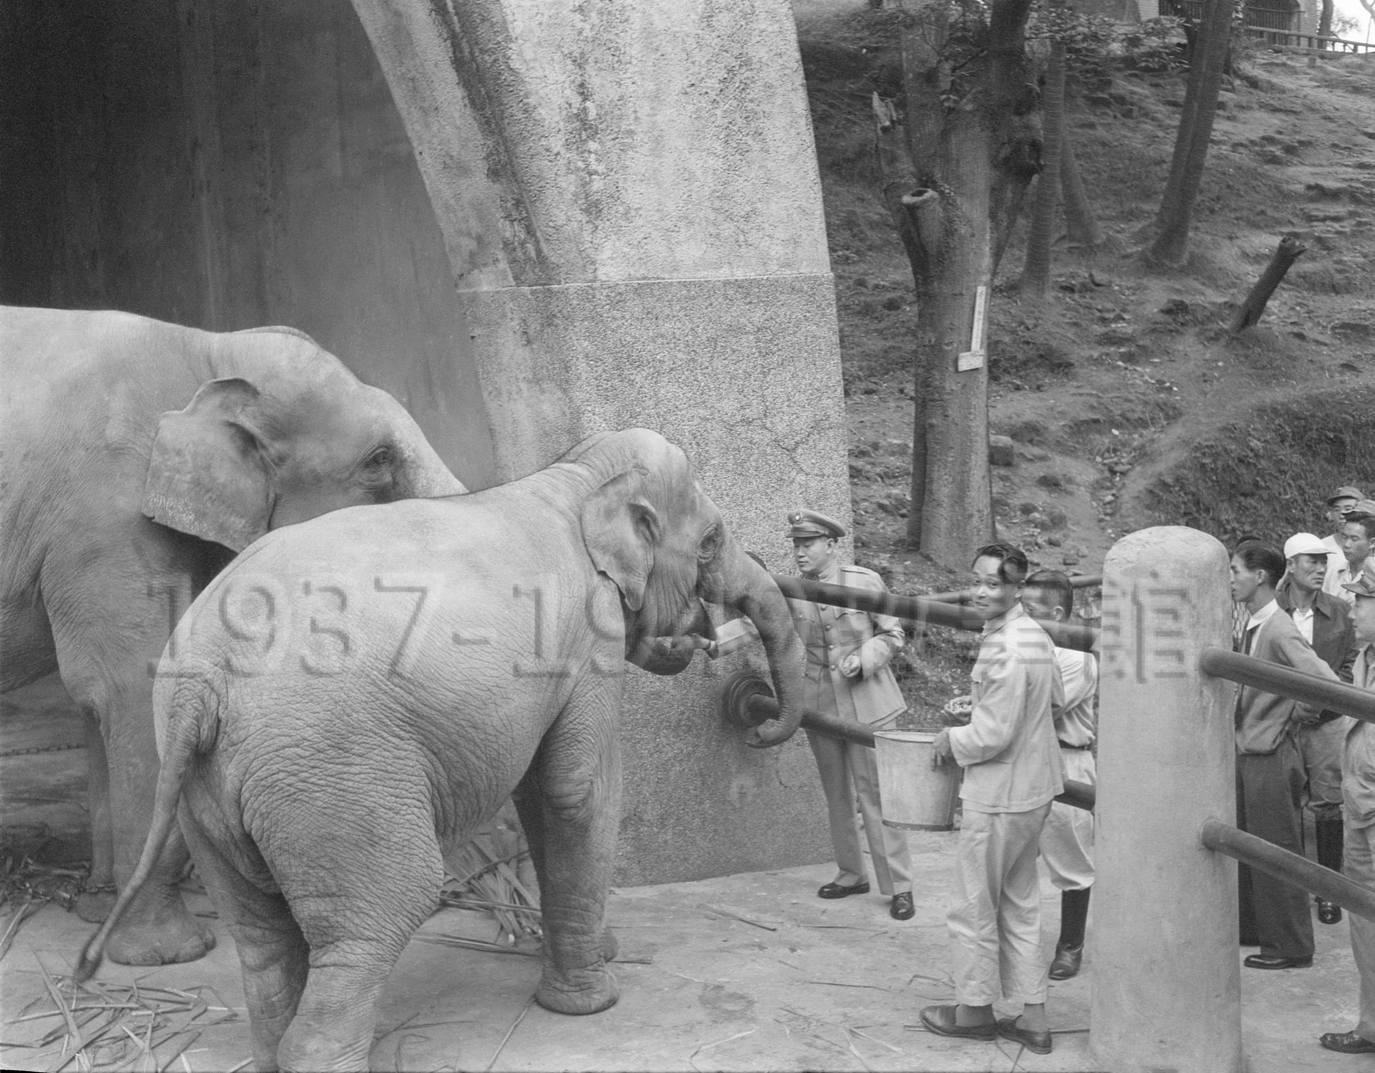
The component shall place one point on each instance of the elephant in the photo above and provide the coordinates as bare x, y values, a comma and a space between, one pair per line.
357, 694
139, 457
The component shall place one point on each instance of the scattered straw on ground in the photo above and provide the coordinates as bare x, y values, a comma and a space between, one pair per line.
107, 1027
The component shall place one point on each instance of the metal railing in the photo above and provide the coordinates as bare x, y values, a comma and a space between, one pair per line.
747, 700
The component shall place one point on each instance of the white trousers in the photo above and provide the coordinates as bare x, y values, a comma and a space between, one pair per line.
995, 909
1067, 841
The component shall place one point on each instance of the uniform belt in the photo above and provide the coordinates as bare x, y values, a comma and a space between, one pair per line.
1067, 745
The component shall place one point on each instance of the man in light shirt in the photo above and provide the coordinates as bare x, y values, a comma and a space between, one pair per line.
1358, 796
1012, 770
1325, 623
1067, 840
1353, 537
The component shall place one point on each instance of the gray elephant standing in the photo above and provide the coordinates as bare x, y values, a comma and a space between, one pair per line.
139, 456
356, 694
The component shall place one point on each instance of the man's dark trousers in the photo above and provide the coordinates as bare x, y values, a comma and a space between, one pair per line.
1269, 789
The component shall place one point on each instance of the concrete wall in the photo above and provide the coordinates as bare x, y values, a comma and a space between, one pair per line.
631, 205
229, 164
624, 193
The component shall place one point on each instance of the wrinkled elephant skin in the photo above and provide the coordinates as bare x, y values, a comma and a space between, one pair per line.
356, 695
139, 456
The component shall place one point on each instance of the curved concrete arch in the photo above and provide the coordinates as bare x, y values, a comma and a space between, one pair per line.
228, 164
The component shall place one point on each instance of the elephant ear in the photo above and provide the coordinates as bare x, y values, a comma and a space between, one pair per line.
621, 530
208, 476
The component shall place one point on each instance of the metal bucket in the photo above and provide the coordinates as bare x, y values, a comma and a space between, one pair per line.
916, 796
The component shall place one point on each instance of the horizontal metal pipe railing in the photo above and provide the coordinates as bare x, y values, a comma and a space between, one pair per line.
922, 610
1299, 871
1287, 682
960, 596
761, 707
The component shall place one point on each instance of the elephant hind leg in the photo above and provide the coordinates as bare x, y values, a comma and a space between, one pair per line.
273, 954
359, 895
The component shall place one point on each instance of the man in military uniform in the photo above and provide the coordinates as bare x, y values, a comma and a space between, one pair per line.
847, 675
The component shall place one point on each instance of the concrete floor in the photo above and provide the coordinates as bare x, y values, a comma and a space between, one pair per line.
797, 984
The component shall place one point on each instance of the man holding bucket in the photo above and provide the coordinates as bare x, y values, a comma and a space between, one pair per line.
1012, 771
847, 675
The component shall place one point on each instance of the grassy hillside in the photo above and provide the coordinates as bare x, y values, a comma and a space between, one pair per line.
1129, 402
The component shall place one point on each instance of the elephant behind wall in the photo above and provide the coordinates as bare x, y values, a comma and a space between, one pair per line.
139, 457
324, 719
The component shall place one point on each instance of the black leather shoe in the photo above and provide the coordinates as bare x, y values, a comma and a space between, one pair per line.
1067, 961
835, 890
902, 907
1329, 912
1347, 1043
1036, 1042
1274, 961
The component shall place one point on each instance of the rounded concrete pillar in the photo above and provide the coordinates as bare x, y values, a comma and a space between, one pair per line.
1166, 977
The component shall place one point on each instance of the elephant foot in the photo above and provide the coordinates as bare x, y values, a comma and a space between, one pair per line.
169, 936
93, 906
610, 947
598, 992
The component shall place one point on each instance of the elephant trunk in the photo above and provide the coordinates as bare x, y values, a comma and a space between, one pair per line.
750, 590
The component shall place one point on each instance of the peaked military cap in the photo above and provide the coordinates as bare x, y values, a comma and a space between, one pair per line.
1346, 491
1363, 585
808, 523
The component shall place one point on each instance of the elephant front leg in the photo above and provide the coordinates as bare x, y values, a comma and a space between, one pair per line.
570, 806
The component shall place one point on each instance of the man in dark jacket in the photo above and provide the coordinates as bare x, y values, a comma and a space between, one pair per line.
1269, 774
1325, 622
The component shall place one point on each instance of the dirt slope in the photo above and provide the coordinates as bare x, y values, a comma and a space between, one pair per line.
1128, 401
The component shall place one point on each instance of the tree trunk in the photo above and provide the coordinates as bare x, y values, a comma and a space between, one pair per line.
1250, 310
1171, 246
1035, 281
1081, 225
939, 192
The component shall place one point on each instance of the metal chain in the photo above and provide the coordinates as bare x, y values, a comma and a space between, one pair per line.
39, 749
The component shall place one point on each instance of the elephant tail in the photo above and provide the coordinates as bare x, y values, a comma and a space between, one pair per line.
187, 727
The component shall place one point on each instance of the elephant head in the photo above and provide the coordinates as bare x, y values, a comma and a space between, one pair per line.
295, 436
650, 528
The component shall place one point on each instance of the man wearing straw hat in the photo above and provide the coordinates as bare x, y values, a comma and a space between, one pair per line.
1358, 798
1012, 771
848, 675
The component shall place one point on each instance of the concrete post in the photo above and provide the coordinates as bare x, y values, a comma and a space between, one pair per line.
1166, 976
632, 211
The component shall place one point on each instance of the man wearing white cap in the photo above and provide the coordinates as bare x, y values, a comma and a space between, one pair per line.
1325, 623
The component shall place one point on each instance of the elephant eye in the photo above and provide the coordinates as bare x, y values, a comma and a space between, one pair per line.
382, 456
709, 545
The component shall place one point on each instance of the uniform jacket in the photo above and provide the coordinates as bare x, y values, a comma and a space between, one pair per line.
1334, 634
1263, 719
1074, 723
829, 634
1358, 756
1009, 751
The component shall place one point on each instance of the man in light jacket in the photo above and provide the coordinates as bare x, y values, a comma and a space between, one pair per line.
1358, 798
1012, 770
